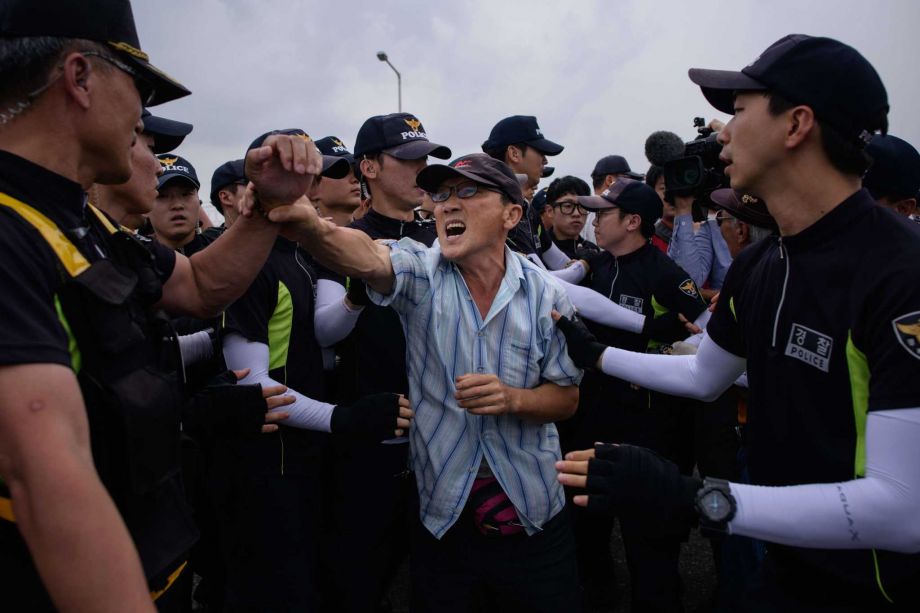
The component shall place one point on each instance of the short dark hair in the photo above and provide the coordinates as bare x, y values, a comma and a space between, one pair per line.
229, 187
647, 229
654, 173
26, 64
846, 155
566, 185
598, 180
499, 152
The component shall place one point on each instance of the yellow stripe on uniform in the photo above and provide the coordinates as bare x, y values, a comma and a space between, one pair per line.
6, 509
66, 251
172, 579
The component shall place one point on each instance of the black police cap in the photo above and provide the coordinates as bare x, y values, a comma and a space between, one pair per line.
838, 83
109, 22
333, 167
629, 195
400, 135
167, 134
895, 170
176, 168
228, 173
520, 129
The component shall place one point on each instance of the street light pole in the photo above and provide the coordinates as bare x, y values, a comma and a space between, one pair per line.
382, 56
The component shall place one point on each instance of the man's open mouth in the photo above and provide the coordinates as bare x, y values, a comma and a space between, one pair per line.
454, 228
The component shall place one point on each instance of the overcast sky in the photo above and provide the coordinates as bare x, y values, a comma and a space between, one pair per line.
599, 75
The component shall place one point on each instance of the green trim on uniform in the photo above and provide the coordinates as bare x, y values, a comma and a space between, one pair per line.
279, 329
659, 311
859, 389
731, 307
76, 358
858, 366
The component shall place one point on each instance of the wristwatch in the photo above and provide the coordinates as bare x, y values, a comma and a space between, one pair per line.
716, 507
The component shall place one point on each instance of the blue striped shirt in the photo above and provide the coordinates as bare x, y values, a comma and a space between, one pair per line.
446, 337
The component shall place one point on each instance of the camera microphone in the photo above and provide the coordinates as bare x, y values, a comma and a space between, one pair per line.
663, 146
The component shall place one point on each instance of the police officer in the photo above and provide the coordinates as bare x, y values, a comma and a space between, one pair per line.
826, 320
93, 516
227, 189
390, 150
636, 275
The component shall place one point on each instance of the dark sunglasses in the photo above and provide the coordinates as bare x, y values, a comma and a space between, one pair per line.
467, 190
144, 87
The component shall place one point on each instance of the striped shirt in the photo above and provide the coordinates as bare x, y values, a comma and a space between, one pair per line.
446, 337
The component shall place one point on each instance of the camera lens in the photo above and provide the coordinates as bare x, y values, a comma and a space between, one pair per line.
690, 176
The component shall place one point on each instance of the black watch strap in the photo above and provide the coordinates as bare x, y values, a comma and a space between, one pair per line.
716, 507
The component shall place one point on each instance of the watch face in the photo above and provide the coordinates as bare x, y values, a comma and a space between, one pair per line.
715, 506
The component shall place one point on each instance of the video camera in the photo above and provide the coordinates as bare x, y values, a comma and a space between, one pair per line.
700, 171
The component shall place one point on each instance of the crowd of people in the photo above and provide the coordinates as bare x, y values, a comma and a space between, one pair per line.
374, 359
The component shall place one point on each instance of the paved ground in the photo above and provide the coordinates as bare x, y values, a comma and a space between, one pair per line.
696, 571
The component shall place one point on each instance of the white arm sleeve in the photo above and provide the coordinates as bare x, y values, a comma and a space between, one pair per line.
703, 375
573, 274
877, 512
332, 320
597, 307
555, 258
306, 413
196, 347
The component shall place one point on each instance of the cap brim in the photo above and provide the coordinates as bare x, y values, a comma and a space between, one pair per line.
417, 149
335, 167
167, 134
546, 147
165, 88
719, 86
548, 171
726, 199
172, 176
431, 177
595, 203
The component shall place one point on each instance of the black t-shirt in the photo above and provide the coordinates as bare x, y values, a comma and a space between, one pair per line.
829, 321
374, 354
277, 310
31, 276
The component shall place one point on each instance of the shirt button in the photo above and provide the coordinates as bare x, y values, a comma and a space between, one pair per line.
481, 334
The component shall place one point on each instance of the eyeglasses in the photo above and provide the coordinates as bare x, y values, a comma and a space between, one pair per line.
722, 215
599, 213
144, 87
464, 191
569, 207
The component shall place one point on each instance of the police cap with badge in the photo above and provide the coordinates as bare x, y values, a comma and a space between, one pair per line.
109, 22
400, 135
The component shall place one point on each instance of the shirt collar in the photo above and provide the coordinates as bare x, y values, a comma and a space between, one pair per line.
61, 199
836, 223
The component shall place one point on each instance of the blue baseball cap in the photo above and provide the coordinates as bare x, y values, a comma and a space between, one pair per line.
519, 129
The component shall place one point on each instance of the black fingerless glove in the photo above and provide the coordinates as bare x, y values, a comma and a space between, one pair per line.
372, 417
356, 292
582, 346
223, 408
641, 486
587, 252
666, 329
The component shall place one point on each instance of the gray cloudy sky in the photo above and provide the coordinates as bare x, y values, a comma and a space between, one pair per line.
599, 75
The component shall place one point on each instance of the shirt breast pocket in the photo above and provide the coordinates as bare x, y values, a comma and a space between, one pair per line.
520, 362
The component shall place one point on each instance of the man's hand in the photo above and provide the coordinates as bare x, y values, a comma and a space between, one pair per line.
683, 205
283, 168
632, 481
669, 327
274, 400
485, 395
377, 416
583, 348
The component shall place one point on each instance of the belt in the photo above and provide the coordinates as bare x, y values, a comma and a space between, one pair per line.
6, 512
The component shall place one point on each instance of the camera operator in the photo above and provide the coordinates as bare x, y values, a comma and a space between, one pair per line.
828, 335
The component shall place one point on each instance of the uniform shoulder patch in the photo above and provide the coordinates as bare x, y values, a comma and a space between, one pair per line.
907, 330
688, 287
